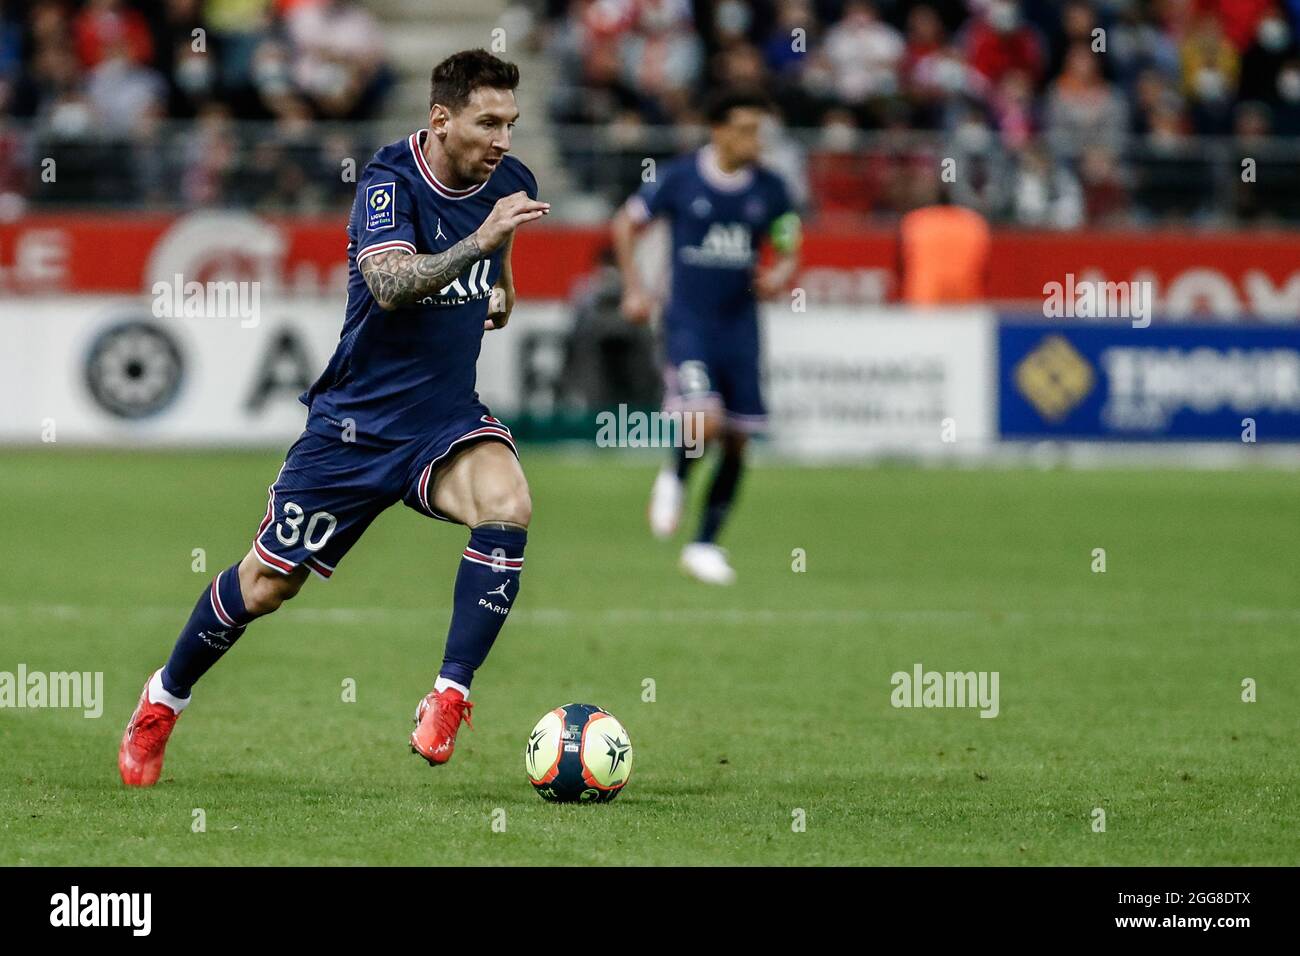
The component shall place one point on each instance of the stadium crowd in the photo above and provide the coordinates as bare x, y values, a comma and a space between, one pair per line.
96, 80
1068, 113
1056, 114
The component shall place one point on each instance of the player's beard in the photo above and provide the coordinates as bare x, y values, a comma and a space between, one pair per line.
476, 170
467, 161
489, 163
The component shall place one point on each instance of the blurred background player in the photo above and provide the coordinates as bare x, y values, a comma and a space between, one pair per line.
720, 206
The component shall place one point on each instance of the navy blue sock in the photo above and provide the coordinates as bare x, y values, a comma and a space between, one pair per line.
684, 463
486, 587
722, 494
216, 623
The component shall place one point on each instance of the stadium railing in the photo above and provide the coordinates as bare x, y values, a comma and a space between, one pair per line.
838, 175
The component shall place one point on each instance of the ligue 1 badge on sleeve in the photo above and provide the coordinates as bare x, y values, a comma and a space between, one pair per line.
381, 201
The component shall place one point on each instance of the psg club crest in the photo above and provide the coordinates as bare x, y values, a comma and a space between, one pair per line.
381, 201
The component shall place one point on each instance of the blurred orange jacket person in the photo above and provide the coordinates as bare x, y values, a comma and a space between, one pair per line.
943, 256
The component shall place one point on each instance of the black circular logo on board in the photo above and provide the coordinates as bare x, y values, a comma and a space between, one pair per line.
134, 369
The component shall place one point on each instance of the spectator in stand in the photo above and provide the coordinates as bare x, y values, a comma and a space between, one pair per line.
182, 56
16, 164
979, 183
1272, 45
1251, 198
1272, 194
209, 157
1078, 26
732, 22
1082, 107
338, 57
741, 66
999, 78
60, 101
1136, 44
664, 57
925, 36
794, 67
1106, 200
585, 47
1013, 109
1210, 71
1174, 180
999, 41
1286, 110
1046, 194
1239, 19
838, 170
105, 24
785, 57
941, 86
11, 49
236, 29
122, 92
15, 159
865, 53
1150, 90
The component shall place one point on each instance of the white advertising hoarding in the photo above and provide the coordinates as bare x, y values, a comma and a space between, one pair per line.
844, 383
105, 370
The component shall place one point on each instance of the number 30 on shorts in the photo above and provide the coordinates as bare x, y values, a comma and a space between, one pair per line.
313, 537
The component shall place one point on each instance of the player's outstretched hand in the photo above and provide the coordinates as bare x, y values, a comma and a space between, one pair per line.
508, 214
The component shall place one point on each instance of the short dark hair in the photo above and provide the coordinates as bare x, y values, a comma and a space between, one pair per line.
456, 78
718, 107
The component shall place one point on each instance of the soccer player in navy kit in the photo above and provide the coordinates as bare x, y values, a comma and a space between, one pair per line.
395, 416
720, 205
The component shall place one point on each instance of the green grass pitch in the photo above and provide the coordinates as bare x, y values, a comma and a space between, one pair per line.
1120, 691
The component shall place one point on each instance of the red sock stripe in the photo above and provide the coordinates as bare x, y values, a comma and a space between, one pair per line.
509, 564
220, 608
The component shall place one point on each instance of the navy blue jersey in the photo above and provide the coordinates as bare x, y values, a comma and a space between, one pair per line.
397, 376
718, 222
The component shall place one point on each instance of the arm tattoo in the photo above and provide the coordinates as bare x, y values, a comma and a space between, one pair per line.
398, 278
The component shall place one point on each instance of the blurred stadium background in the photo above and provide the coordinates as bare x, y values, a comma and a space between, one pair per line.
1118, 141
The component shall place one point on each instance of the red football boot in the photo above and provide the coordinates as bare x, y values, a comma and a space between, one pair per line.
140, 757
436, 721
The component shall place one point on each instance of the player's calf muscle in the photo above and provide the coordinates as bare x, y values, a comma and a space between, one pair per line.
265, 590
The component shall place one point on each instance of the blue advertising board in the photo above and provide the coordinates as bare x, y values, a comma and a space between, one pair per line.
1164, 382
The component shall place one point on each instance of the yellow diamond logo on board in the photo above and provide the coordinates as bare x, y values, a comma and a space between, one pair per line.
1055, 378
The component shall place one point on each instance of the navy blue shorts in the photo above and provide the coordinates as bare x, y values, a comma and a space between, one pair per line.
722, 371
329, 490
